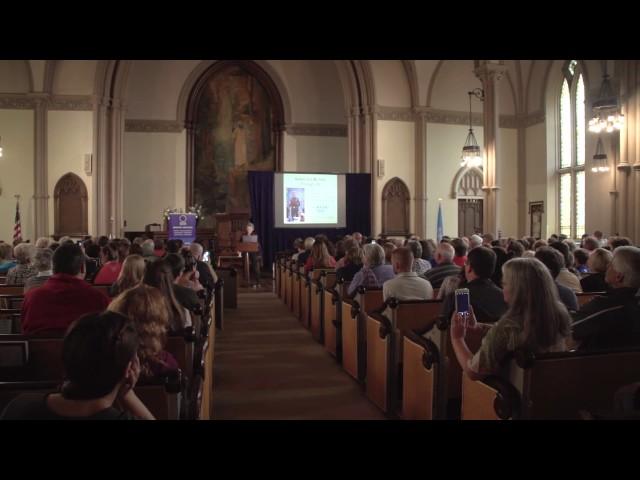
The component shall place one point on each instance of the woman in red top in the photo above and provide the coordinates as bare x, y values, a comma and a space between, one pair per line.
319, 258
110, 270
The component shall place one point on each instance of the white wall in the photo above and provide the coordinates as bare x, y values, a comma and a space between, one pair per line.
396, 146
507, 170
536, 174
454, 79
75, 77
444, 148
16, 166
391, 84
154, 176
70, 137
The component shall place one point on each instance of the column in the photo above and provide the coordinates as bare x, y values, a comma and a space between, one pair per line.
421, 175
489, 73
41, 180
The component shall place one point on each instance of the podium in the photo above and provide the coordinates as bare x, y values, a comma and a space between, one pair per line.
245, 249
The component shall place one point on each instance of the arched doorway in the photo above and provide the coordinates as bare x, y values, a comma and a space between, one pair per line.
467, 188
235, 120
70, 206
396, 205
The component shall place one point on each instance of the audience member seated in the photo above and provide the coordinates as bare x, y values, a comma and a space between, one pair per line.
515, 249
352, 264
487, 240
598, 264
173, 246
502, 257
130, 275
460, 249
24, 270
535, 319
616, 242
407, 284
319, 258
590, 244
304, 256
101, 367
580, 257
185, 295
374, 272
110, 268
486, 298
6, 258
553, 260
566, 277
444, 257
43, 262
613, 320
347, 245
539, 243
91, 260
158, 247
147, 251
475, 241
135, 249
207, 276
51, 308
298, 246
149, 312
159, 274
420, 266
388, 248
357, 236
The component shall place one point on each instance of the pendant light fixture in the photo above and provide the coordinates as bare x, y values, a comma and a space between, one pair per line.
471, 153
600, 160
606, 111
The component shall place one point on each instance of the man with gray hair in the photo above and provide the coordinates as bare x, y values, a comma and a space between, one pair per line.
475, 241
23, 270
207, 276
43, 242
43, 262
444, 256
613, 320
147, 250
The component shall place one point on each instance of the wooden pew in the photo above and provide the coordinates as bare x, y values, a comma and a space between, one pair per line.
229, 277
305, 299
217, 304
385, 330
551, 386
163, 397
3, 280
586, 297
354, 340
12, 290
316, 304
330, 312
43, 357
10, 390
295, 292
10, 321
292, 265
182, 347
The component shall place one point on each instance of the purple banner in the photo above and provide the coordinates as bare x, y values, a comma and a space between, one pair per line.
182, 226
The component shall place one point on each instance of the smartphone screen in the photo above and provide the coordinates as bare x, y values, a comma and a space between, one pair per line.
462, 300
205, 257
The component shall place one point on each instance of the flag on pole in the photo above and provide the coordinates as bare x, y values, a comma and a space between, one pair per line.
440, 228
17, 229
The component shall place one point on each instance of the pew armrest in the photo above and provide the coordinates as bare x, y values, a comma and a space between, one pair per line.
385, 324
431, 353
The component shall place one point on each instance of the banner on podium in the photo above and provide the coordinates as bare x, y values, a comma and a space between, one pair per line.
182, 226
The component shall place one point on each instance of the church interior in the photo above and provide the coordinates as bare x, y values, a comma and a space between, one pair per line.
440, 168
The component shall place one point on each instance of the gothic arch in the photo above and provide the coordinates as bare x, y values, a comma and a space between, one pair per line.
467, 183
200, 88
396, 208
70, 206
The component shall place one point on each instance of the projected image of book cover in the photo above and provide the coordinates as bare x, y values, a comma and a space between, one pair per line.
295, 205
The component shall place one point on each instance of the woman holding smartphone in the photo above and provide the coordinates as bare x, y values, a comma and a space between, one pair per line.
535, 319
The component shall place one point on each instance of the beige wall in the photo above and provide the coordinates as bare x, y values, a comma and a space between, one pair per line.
396, 146
16, 165
536, 174
75, 77
444, 148
391, 84
69, 138
154, 176
321, 154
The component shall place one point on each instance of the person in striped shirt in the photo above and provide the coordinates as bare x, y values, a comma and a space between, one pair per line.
446, 268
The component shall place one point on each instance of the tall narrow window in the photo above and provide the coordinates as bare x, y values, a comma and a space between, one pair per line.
571, 177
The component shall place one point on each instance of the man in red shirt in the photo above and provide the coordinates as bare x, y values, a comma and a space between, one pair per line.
51, 308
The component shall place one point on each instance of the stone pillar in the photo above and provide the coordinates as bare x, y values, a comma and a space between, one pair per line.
40, 170
523, 228
421, 175
354, 139
489, 73
101, 149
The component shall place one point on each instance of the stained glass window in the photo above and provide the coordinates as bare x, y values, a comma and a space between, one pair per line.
571, 185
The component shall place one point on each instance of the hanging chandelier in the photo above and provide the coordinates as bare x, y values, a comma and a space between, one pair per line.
600, 160
471, 153
606, 112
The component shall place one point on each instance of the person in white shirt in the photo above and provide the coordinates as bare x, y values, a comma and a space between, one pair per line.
406, 285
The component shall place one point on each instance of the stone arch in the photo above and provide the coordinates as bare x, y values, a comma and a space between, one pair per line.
396, 206
259, 82
468, 183
70, 206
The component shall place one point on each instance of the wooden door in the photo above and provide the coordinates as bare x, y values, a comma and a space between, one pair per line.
469, 216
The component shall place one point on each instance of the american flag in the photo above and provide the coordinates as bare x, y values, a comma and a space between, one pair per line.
17, 229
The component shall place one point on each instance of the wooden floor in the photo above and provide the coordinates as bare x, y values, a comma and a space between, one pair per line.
267, 366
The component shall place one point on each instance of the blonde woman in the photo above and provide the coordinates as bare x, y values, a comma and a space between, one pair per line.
130, 275
24, 270
535, 320
598, 262
319, 258
149, 312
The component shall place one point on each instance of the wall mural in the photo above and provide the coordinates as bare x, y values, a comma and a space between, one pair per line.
233, 134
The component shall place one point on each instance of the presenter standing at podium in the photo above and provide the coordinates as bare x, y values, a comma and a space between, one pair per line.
254, 257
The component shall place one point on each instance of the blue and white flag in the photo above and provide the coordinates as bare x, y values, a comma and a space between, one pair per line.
440, 227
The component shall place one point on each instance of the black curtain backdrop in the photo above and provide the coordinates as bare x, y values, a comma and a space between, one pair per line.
272, 240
